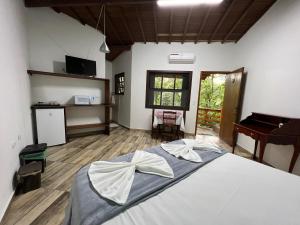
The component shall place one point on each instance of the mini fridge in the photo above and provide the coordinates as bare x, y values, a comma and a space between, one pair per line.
49, 125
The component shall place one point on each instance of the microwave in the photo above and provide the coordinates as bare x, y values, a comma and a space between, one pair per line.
87, 100
81, 100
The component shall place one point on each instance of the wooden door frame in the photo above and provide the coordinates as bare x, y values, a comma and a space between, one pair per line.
199, 90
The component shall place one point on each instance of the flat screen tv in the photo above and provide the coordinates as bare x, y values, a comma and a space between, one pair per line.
80, 66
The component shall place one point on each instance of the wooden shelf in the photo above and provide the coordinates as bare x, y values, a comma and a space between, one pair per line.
67, 75
95, 105
84, 126
106, 106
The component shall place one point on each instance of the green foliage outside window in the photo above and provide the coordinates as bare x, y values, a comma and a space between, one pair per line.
212, 92
211, 97
168, 98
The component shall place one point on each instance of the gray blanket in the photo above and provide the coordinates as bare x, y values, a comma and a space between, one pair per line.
87, 207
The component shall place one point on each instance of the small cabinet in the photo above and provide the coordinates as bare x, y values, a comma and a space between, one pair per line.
50, 125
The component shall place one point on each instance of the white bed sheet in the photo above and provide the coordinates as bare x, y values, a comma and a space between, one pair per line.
230, 190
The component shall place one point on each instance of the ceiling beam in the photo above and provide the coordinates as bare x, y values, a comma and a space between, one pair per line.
203, 24
77, 16
140, 23
228, 10
124, 20
187, 22
245, 12
155, 23
68, 3
170, 25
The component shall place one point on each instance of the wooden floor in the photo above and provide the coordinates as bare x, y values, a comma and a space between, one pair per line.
47, 204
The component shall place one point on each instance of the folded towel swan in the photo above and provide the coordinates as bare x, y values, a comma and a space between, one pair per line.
113, 180
186, 151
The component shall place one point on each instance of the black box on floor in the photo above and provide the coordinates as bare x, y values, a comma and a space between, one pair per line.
29, 177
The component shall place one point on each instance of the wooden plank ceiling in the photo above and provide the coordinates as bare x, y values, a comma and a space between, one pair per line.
130, 21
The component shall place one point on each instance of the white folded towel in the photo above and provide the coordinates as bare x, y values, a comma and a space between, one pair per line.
182, 150
113, 180
198, 145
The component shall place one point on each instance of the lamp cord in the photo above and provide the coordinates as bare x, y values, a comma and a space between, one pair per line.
99, 17
98, 22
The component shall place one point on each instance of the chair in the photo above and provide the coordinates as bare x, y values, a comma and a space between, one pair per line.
157, 131
169, 129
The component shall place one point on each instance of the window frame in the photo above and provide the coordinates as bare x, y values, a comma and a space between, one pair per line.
118, 83
154, 73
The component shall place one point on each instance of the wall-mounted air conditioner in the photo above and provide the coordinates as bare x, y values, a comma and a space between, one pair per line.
182, 58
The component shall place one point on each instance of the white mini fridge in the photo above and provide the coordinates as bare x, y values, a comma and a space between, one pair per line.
50, 125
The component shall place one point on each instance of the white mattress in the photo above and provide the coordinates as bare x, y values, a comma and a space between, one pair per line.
230, 190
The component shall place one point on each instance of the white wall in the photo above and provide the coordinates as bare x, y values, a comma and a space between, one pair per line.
109, 73
123, 102
152, 56
15, 119
270, 52
52, 36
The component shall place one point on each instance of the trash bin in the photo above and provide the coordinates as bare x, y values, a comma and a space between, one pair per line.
32, 153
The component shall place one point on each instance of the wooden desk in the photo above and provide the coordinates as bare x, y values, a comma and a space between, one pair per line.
270, 129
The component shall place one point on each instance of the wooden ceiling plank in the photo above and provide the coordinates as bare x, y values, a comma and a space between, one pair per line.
140, 23
228, 10
187, 22
123, 47
116, 50
56, 9
155, 23
170, 25
113, 28
124, 20
78, 17
203, 24
245, 12
264, 11
69, 3
91, 14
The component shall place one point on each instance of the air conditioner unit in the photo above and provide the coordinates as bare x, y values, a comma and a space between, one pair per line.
182, 58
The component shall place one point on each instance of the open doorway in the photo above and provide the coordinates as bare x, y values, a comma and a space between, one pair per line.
210, 102
219, 103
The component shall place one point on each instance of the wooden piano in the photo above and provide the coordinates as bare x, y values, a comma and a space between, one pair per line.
270, 129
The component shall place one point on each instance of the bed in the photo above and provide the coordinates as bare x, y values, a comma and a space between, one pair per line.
227, 190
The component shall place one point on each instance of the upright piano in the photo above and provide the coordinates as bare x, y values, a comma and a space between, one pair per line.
270, 129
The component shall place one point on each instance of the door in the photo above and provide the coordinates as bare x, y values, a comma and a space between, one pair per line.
51, 126
232, 104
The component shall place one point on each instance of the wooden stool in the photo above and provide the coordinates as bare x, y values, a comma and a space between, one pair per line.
29, 177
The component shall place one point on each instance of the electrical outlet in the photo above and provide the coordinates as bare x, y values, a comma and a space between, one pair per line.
14, 144
19, 137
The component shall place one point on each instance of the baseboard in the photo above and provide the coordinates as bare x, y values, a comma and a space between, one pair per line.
84, 134
137, 129
256, 158
134, 129
2, 213
123, 126
191, 134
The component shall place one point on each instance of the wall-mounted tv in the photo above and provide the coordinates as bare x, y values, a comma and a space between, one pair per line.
76, 65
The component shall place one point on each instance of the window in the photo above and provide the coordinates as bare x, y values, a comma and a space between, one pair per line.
168, 89
120, 84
